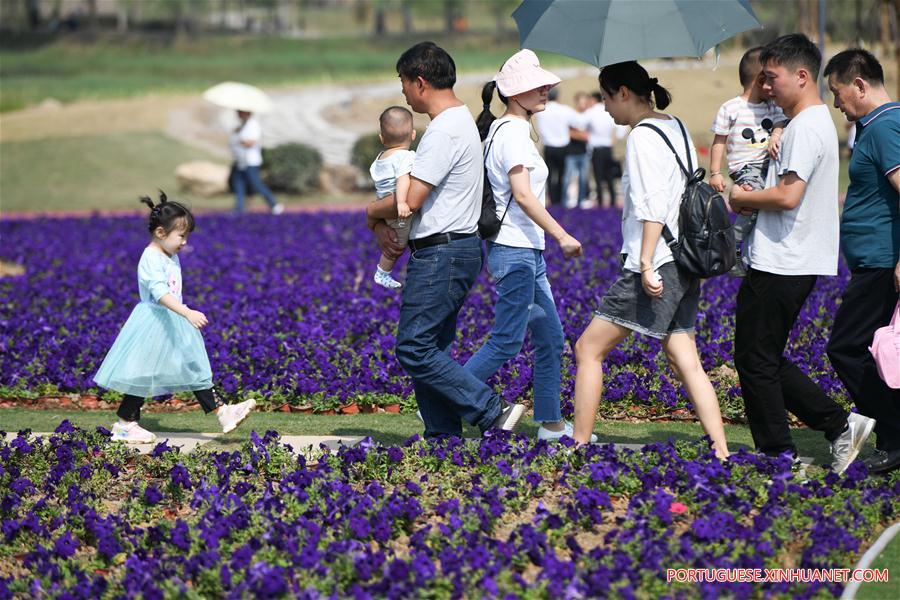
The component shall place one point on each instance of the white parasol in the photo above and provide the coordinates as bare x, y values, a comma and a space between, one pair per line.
238, 96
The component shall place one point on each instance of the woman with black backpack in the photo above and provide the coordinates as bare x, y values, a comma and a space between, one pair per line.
652, 295
517, 176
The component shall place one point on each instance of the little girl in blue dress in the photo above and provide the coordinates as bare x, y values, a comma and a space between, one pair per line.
159, 349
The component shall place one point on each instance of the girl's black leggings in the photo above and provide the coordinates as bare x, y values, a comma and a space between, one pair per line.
130, 409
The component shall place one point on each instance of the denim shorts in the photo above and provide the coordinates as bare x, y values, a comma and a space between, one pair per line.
628, 305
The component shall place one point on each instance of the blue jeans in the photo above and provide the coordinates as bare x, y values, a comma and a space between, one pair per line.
437, 281
524, 302
241, 180
577, 164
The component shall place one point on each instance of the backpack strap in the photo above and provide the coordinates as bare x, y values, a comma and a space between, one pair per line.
486, 153
666, 232
687, 173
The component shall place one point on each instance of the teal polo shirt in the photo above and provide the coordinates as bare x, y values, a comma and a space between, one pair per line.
870, 225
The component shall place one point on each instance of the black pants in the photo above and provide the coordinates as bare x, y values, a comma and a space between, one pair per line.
130, 408
556, 167
867, 304
767, 307
602, 162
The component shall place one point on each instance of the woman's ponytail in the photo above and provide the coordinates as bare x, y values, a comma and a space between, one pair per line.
486, 117
661, 96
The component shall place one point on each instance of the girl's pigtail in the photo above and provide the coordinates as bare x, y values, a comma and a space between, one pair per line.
485, 118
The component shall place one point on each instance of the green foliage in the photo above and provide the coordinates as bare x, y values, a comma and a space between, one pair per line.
367, 148
292, 168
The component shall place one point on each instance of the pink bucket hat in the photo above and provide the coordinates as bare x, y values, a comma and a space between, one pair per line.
522, 73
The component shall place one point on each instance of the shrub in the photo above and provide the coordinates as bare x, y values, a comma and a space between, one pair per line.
367, 148
292, 168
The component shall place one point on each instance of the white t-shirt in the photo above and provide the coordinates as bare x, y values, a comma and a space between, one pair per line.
449, 158
733, 118
602, 130
511, 147
385, 171
553, 124
652, 183
243, 156
804, 240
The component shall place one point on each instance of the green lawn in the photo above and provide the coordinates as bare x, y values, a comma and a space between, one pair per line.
85, 173
68, 69
103, 172
386, 428
889, 590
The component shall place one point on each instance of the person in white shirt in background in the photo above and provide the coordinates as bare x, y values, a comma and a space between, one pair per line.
652, 295
553, 126
577, 157
602, 134
245, 144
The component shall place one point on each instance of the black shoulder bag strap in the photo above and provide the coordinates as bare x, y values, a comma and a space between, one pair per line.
667, 234
486, 152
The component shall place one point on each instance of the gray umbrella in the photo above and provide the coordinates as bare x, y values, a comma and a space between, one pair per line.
604, 32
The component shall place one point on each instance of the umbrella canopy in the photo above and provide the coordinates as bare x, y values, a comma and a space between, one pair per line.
604, 32
238, 96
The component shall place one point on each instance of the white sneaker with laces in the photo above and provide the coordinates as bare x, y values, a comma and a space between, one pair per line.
131, 433
278, 209
847, 446
509, 416
232, 415
568, 429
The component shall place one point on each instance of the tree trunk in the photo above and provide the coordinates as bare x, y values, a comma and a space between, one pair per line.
380, 22
122, 16
407, 17
92, 14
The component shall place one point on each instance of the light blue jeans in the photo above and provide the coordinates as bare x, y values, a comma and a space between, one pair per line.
524, 303
577, 166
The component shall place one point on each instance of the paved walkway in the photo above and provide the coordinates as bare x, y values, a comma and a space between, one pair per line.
298, 114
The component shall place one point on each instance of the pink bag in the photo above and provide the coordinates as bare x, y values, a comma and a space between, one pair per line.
885, 349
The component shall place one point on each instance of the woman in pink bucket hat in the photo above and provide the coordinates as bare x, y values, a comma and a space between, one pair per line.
518, 175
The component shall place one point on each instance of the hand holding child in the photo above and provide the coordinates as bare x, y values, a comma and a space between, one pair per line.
774, 145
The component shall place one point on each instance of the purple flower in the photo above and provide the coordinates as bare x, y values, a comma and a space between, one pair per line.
152, 495
65, 545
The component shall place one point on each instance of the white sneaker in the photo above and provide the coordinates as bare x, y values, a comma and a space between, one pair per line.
384, 278
509, 417
278, 209
847, 446
232, 415
419, 414
568, 429
131, 433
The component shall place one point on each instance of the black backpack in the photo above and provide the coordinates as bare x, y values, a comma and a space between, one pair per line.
705, 246
488, 223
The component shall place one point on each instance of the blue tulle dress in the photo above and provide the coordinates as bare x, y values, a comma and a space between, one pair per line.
157, 352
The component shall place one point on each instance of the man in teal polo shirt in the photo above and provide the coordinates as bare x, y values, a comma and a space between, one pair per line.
870, 241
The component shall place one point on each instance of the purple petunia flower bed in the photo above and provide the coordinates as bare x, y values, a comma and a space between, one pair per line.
295, 316
500, 517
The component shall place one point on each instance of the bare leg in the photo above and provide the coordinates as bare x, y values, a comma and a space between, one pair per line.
681, 350
386, 263
592, 348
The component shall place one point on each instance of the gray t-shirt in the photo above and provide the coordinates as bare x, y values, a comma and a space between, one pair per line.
449, 158
804, 240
